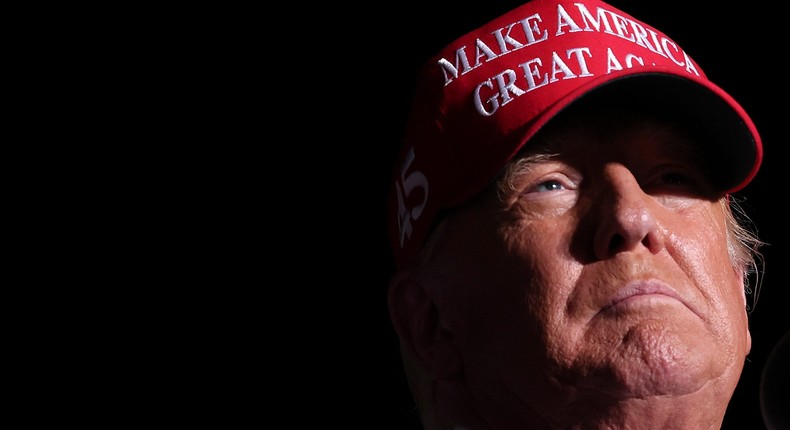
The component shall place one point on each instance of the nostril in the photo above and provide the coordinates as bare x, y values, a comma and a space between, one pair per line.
616, 244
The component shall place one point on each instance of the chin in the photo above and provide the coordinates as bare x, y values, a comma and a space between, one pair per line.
656, 358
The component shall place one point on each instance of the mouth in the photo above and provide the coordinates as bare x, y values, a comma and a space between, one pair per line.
642, 293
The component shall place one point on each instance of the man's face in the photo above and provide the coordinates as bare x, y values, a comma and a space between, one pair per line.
606, 264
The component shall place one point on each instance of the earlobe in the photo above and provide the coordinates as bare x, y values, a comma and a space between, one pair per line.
418, 322
748, 341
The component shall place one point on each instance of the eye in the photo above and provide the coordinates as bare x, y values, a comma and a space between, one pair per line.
675, 179
550, 194
550, 185
545, 180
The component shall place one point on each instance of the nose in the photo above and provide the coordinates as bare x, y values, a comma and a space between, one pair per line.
628, 220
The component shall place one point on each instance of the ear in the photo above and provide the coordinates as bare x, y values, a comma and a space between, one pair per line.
742, 282
418, 322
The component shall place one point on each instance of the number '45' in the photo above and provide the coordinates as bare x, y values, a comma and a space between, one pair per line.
410, 182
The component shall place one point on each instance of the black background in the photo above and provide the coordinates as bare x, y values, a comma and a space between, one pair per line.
372, 54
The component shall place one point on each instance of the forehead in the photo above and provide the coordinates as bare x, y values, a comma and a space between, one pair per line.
587, 131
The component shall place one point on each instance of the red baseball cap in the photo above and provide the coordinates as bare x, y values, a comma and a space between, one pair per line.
485, 95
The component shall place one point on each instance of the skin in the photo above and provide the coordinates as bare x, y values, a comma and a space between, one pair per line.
595, 293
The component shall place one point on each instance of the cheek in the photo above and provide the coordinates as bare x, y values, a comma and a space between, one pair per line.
701, 250
507, 280
700, 246
524, 314
537, 274
486, 279
697, 240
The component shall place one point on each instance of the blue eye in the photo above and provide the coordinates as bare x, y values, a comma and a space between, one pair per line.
549, 186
